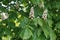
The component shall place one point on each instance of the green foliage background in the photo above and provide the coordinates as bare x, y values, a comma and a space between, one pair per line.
19, 26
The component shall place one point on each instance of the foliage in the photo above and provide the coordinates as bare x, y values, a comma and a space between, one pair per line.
18, 26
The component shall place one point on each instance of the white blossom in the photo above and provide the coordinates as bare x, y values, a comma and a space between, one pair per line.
44, 16
4, 16
4, 5
12, 2
31, 14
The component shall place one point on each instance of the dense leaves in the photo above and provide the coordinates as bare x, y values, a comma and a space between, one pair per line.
18, 25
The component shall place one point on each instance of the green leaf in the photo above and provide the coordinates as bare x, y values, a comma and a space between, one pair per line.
26, 33
58, 25
50, 22
37, 35
6, 2
11, 25
24, 21
35, 20
52, 4
52, 35
44, 27
56, 4
35, 1
39, 32
38, 11
40, 22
